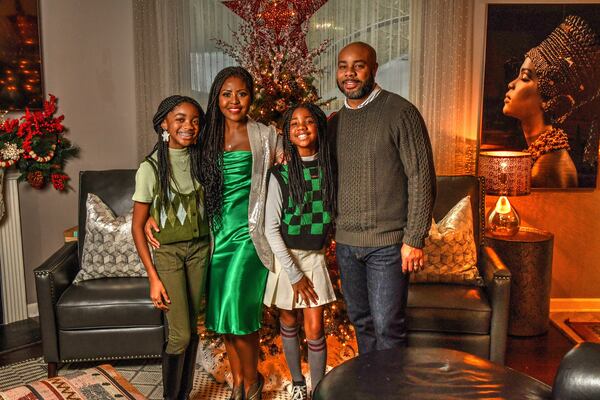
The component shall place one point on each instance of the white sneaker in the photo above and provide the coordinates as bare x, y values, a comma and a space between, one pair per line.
299, 392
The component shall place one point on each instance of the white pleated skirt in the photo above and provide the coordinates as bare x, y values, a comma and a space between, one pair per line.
279, 292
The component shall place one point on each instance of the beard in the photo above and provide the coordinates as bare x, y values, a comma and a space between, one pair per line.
361, 91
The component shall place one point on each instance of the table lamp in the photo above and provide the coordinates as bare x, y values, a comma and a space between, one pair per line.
506, 173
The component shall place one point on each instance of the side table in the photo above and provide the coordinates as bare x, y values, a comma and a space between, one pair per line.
528, 256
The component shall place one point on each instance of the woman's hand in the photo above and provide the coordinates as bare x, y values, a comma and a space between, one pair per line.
148, 228
158, 294
304, 288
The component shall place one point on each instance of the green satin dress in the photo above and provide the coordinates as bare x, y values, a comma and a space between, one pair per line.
237, 277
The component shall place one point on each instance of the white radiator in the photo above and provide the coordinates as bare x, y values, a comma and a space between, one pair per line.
12, 274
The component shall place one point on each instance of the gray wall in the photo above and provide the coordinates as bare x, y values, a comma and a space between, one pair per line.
88, 61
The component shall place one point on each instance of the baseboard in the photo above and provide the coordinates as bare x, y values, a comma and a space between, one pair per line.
569, 304
32, 310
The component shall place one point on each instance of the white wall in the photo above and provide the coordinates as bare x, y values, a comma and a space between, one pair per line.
88, 62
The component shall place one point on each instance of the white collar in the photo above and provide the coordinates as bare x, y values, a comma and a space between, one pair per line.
369, 99
310, 158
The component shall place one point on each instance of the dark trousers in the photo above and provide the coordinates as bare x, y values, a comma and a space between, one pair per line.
182, 269
376, 292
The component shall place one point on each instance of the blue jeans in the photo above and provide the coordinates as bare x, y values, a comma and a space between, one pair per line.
376, 291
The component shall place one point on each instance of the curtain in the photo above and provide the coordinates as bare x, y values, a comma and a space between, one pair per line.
441, 84
162, 43
384, 24
210, 20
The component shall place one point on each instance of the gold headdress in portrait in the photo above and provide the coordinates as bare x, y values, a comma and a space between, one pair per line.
567, 64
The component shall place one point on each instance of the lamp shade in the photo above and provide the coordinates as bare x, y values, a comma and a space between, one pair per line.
506, 173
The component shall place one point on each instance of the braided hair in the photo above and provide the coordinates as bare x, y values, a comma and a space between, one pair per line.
165, 173
214, 141
325, 159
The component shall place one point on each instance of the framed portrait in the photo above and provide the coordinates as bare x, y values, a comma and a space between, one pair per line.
512, 30
20, 56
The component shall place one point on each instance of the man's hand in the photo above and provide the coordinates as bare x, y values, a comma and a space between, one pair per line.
148, 228
413, 258
304, 288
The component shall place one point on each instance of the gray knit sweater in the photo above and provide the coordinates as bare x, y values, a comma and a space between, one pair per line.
386, 177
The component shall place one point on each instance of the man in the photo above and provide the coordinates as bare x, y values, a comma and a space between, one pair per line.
385, 198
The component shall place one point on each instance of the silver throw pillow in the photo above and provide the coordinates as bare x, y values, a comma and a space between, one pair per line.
108, 249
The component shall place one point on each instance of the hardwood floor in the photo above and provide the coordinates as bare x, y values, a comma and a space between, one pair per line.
20, 341
537, 356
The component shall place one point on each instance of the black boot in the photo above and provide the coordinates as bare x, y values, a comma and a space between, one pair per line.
189, 367
172, 367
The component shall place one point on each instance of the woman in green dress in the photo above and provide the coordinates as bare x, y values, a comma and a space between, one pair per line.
236, 155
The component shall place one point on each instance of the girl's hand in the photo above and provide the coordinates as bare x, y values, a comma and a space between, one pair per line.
304, 288
148, 228
158, 295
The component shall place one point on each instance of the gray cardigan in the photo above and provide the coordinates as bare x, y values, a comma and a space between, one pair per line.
266, 147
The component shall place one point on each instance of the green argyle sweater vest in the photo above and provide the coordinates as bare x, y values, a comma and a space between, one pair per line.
305, 227
180, 219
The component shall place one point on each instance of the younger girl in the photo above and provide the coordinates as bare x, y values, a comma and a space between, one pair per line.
167, 187
299, 208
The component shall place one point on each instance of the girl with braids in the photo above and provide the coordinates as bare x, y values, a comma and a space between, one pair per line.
301, 201
168, 188
236, 155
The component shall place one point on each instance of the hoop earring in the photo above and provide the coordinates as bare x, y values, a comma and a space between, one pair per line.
165, 136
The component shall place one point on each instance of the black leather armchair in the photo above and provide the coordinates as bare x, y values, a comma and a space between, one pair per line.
101, 319
467, 318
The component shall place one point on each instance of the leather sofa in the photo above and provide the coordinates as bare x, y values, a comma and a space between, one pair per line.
101, 319
467, 318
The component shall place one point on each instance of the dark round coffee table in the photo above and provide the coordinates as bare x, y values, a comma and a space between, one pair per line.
426, 373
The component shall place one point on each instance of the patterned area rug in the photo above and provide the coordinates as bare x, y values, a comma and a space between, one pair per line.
145, 375
101, 382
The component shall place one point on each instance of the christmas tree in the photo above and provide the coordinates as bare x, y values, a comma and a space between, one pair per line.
271, 45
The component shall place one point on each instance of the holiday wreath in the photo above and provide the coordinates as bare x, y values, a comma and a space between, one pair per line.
35, 144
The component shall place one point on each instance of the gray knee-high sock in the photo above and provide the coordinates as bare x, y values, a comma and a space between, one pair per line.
291, 349
317, 358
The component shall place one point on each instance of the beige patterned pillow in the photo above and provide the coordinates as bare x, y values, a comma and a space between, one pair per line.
450, 250
108, 249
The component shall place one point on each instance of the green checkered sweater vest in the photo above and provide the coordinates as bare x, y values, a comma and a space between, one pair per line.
182, 218
303, 228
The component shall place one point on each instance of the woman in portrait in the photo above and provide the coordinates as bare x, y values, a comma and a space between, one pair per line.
557, 77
